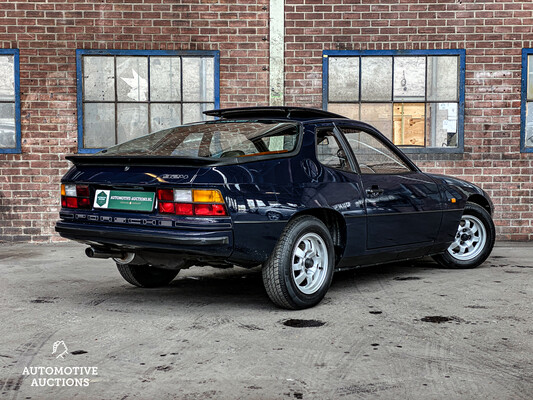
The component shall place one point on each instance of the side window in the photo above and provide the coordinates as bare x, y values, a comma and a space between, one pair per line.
373, 156
9, 101
329, 151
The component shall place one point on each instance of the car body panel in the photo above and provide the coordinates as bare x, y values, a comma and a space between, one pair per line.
402, 209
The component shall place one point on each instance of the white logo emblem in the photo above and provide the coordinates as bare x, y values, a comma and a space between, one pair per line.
101, 199
58, 346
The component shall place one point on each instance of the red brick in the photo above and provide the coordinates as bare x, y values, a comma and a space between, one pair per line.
47, 35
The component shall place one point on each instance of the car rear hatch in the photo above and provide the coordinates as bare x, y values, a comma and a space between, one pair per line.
145, 206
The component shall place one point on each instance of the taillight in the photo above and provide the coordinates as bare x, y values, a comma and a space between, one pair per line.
75, 196
199, 202
209, 209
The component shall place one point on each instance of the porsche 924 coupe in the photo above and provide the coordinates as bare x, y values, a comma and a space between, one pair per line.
302, 192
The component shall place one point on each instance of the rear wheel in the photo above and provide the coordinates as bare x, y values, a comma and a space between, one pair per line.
146, 276
473, 242
300, 269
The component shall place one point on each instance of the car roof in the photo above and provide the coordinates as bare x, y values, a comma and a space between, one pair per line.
275, 112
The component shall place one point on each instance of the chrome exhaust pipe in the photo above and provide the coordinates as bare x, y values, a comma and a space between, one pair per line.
91, 252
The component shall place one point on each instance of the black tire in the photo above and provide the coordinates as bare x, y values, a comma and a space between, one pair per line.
146, 276
476, 216
315, 268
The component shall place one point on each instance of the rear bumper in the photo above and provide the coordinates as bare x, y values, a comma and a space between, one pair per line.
201, 243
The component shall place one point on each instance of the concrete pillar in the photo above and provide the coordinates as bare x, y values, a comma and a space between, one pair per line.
277, 48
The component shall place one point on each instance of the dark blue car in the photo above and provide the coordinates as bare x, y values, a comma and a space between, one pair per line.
301, 192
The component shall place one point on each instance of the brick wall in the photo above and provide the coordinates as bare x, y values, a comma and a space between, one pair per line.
493, 32
48, 35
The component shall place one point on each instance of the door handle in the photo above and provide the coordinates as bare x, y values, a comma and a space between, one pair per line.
374, 191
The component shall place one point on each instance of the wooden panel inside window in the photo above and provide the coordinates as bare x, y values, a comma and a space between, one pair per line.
409, 124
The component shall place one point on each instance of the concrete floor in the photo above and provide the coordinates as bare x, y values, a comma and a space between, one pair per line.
213, 334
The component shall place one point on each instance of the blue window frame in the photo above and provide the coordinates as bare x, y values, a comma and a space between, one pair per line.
123, 94
414, 97
526, 111
9, 101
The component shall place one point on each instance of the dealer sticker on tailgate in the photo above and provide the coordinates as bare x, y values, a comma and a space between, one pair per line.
124, 200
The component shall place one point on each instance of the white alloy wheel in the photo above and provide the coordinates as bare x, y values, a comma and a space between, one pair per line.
309, 263
469, 240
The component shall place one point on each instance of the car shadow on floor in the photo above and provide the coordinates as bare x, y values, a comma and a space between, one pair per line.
236, 287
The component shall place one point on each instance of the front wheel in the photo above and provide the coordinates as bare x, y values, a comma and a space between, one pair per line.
473, 242
300, 269
146, 276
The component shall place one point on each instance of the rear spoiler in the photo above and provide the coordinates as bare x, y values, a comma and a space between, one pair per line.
265, 112
96, 159
169, 161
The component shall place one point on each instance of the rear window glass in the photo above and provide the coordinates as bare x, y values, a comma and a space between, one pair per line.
217, 139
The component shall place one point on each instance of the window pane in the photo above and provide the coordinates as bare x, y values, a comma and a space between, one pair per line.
442, 78
98, 78
132, 121
343, 78
165, 79
441, 120
198, 79
329, 152
349, 110
164, 116
409, 124
7, 126
98, 125
7, 78
132, 78
193, 112
376, 78
530, 77
213, 140
529, 125
379, 116
373, 156
409, 78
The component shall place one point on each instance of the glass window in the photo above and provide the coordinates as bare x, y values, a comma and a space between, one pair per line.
329, 151
217, 139
372, 155
127, 94
9, 101
526, 139
414, 98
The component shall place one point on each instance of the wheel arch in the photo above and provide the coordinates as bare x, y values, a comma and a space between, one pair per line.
336, 225
480, 201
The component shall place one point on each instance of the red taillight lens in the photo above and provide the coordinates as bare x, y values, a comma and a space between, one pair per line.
219, 209
82, 191
84, 202
209, 209
72, 202
183, 209
166, 208
165, 194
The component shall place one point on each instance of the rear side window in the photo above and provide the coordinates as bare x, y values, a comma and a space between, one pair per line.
329, 151
373, 156
218, 139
